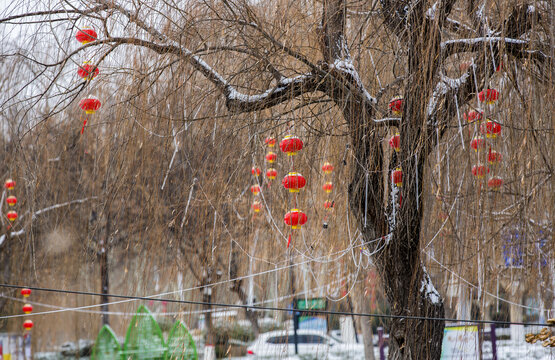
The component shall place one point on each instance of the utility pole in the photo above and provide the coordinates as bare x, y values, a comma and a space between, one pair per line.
104, 275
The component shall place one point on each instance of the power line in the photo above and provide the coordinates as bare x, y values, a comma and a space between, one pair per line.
268, 308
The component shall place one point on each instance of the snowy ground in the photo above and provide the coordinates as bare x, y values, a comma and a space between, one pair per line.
506, 350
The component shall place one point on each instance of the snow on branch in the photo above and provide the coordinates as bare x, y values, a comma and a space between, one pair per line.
481, 40
428, 289
287, 88
42, 211
445, 85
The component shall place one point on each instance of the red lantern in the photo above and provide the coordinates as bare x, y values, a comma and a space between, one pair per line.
479, 171
256, 206
489, 96
327, 168
294, 182
328, 205
495, 183
395, 142
11, 200
87, 71
86, 35
90, 104
295, 218
27, 308
494, 157
477, 143
271, 174
255, 189
28, 324
11, 215
328, 187
396, 105
472, 116
255, 171
271, 157
397, 177
270, 141
25, 292
9, 184
491, 129
291, 145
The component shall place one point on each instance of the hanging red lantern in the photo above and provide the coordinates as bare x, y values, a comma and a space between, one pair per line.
397, 177
294, 182
494, 157
328, 205
256, 206
11, 215
88, 71
477, 143
328, 187
86, 35
270, 141
255, 189
396, 105
90, 104
25, 292
291, 145
271, 157
295, 218
473, 115
9, 184
28, 324
395, 142
491, 129
27, 308
489, 96
11, 200
479, 171
271, 173
327, 168
255, 171
495, 183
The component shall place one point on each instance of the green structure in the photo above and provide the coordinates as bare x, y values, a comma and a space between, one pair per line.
144, 340
106, 345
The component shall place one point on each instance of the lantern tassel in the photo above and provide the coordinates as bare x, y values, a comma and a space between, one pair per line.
289, 241
84, 124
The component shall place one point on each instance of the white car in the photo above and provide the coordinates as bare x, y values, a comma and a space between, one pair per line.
311, 344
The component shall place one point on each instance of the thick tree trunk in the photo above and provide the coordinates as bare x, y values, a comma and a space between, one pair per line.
363, 305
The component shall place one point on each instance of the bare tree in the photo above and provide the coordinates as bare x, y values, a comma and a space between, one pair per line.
283, 67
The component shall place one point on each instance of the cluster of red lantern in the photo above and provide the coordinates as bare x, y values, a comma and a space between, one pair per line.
11, 200
293, 182
87, 71
491, 129
255, 189
27, 309
327, 169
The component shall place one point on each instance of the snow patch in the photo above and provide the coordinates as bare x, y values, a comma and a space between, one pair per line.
473, 41
346, 65
235, 95
431, 13
428, 289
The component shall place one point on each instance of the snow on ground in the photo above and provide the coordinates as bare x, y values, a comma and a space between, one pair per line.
506, 350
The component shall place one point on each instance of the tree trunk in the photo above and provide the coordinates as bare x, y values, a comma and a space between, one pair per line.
366, 324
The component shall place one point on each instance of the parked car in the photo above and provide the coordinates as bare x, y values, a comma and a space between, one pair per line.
311, 344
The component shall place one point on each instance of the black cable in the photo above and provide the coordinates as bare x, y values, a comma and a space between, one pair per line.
270, 308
